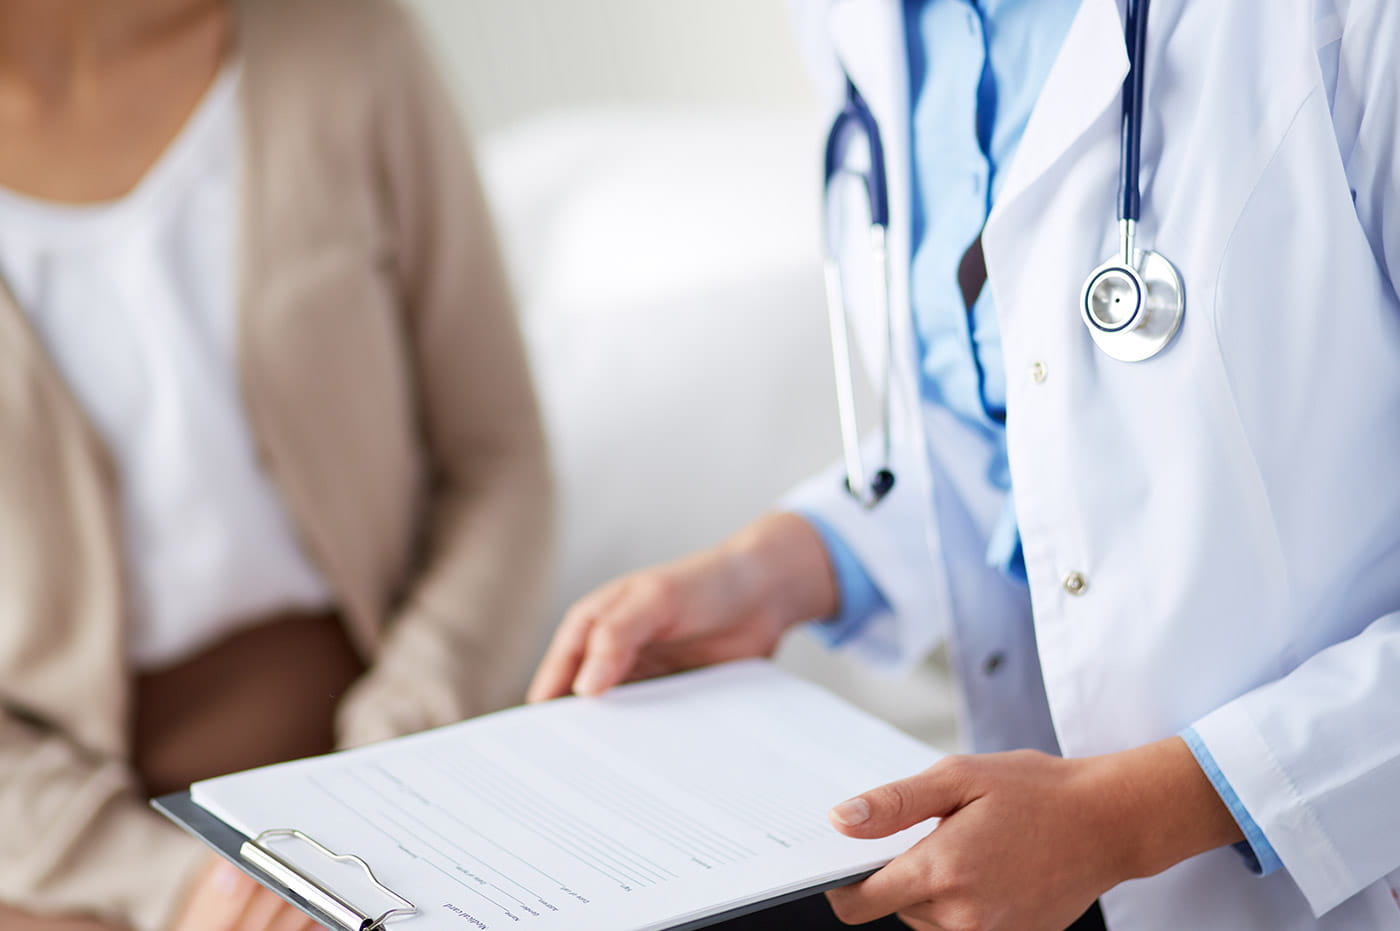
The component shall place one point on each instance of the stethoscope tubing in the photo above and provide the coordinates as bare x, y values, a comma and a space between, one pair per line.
855, 119
856, 112
1130, 160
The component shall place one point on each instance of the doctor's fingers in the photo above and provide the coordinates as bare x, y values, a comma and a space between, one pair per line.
556, 673
645, 611
904, 886
940, 790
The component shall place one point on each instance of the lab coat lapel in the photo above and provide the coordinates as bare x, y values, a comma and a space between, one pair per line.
1085, 81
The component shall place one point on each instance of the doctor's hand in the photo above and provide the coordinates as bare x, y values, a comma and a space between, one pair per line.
1028, 841
733, 601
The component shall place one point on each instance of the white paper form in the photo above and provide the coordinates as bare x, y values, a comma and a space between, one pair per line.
656, 804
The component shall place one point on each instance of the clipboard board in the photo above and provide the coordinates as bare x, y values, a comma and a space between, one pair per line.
256, 858
332, 911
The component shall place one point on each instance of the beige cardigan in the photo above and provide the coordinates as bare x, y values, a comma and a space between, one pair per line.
387, 389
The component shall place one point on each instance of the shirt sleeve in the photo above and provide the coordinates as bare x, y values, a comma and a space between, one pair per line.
1259, 855
893, 594
1314, 758
860, 597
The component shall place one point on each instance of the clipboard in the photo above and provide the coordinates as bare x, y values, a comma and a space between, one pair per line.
554, 815
332, 910
259, 860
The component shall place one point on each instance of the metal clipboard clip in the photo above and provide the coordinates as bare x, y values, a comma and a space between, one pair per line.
258, 853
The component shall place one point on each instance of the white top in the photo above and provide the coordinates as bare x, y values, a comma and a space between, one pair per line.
136, 300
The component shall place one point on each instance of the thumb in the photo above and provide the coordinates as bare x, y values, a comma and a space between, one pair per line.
938, 791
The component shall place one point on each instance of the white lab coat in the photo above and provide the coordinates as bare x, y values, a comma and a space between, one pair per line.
1234, 503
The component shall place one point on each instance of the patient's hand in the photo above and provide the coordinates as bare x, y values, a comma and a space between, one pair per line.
223, 899
734, 601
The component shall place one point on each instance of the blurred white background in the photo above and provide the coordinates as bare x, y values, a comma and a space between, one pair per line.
654, 168
512, 59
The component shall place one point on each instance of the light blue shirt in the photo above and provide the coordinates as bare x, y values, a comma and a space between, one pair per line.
976, 69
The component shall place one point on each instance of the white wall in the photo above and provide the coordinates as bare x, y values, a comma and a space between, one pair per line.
510, 59
655, 167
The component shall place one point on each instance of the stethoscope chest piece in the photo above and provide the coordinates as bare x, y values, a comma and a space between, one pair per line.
1134, 302
1133, 310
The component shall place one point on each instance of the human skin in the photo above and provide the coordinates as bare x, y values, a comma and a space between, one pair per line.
92, 91
1026, 841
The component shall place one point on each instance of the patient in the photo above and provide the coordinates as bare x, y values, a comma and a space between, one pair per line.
273, 477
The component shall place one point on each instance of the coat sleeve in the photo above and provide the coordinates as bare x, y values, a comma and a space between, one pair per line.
905, 608
472, 617
67, 817
1314, 757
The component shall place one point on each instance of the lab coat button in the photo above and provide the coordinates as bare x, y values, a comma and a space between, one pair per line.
994, 662
1076, 584
1038, 372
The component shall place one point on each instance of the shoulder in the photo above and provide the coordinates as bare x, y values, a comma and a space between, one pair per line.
343, 25
333, 91
337, 82
354, 44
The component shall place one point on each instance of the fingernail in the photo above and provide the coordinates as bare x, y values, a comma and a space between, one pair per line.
226, 878
853, 812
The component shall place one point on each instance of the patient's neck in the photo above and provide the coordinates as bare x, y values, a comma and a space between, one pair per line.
91, 91
47, 44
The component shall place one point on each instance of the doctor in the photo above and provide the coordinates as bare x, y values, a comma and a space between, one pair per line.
1166, 565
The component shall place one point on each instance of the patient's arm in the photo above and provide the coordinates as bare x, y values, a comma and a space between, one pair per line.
463, 640
68, 815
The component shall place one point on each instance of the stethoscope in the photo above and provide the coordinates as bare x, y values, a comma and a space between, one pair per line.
1132, 304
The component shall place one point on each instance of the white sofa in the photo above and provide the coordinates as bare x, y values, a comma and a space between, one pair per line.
668, 273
